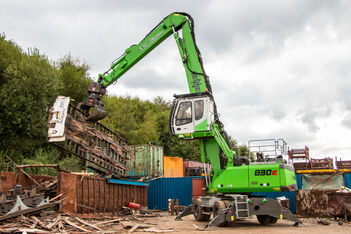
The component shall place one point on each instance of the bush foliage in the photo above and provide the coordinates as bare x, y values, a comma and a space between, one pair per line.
29, 84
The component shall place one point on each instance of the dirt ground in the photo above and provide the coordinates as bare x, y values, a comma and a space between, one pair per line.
249, 226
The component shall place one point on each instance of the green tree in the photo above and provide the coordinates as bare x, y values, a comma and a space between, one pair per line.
74, 77
30, 84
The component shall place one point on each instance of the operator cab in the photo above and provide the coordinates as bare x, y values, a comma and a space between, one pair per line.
191, 113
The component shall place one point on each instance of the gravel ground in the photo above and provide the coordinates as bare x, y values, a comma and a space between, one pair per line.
249, 226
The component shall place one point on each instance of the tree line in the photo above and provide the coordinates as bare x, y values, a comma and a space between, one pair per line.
30, 83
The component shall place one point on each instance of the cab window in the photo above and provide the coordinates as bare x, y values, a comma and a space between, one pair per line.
184, 114
199, 109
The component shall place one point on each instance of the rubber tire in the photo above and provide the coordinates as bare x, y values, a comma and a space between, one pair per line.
266, 219
273, 220
198, 215
217, 207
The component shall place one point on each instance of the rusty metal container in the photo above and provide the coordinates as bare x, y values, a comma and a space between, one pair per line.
94, 195
198, 187
173, 166
9, 179
148, 161
193, 168
339, 204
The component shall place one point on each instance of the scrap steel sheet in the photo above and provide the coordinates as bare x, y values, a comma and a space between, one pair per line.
103, 149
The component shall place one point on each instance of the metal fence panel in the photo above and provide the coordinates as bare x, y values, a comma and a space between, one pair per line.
162, 189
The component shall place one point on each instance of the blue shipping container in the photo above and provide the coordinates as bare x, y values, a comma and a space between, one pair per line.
162, 189
289, 195
299, 181
347, 178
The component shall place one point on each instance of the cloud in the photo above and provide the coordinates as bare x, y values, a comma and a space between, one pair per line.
278, 69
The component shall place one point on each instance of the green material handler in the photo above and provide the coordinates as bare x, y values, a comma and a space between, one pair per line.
194, 116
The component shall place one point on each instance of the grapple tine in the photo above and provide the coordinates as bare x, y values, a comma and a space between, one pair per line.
96, 92
98, 114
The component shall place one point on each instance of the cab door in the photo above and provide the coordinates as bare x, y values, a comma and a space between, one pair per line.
184, 117
203, 110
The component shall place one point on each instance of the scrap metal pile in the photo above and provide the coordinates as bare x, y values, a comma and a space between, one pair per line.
20, 200
104, 151
52, 221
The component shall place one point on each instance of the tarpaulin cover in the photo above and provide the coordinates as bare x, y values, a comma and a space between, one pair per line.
322, 182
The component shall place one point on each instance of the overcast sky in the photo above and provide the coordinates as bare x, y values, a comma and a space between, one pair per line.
278, 69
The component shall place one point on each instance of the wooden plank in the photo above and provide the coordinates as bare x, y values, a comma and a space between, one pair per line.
52, 224
134, 228
36, 220
87, 224
109, 221
74, 225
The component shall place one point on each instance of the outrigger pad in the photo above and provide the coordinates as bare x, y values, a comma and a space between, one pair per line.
188, 210
217, 221
290, 216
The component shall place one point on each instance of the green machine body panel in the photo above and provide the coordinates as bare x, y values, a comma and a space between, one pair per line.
254, 178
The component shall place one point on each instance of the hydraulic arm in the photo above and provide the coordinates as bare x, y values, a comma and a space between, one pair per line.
196, 77
213, 140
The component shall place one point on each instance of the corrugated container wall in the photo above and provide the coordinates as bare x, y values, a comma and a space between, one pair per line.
299, 181
347, 178
162, 189
148, 161
173, 166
